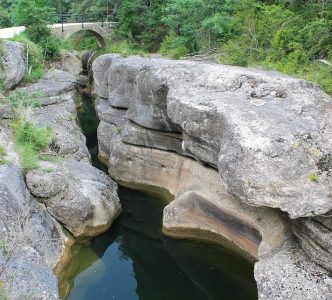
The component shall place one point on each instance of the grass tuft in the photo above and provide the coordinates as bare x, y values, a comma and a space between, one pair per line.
30, 141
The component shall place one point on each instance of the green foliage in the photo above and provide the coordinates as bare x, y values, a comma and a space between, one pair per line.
3, 161
123, 47
174, 46
31, 12
83, 40
30, 141
42, 35
140, 21
24, 99
314, 177
48, 170
5, 17
289, 36
36, 60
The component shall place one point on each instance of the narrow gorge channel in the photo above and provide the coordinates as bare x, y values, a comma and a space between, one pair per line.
134, 260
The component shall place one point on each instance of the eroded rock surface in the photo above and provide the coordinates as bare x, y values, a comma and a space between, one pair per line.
32, 240
14, 65
69, 62
75, 193
81, 197
260, 139
289, 274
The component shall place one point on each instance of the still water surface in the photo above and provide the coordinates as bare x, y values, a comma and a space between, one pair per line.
133, 260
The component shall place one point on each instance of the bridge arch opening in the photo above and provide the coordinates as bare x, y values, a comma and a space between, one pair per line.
88, 33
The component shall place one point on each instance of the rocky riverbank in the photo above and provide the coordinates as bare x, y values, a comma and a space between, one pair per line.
241, 154
65, 199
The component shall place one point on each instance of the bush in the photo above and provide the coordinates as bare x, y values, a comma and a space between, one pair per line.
174, 46
122, 47
36, 60
235, 54
30, 141
42, 35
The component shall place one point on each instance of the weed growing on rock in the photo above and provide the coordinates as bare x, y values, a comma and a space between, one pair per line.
3, 294
30, 141
24, 99
48, 170
36, 61
3, 161
314, 177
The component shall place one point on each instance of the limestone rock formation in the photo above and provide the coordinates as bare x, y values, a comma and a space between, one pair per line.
58, 94
14, 65
315, 236
253, 143
75, 193
69, 62
78, 195
6, 111
31, 239
99, 69
289, 274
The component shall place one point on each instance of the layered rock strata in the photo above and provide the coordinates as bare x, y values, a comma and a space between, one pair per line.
253, 144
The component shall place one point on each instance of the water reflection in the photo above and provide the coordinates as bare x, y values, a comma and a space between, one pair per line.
135, 261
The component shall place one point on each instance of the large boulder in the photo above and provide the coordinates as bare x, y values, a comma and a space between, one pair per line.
99, 69
264, 140
59, 98
13, 64
69, 62
78, 195
267, 133
32, 239
53, 88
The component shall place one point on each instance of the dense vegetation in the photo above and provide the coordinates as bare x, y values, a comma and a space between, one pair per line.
292, 36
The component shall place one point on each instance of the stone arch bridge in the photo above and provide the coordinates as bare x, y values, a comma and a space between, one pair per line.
100, 30
71, 24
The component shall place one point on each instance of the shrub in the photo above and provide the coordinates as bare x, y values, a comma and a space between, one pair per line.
36, 60
122, 47
235, 54
174, 46
42, 35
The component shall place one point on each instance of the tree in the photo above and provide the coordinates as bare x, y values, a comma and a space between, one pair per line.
32, 12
